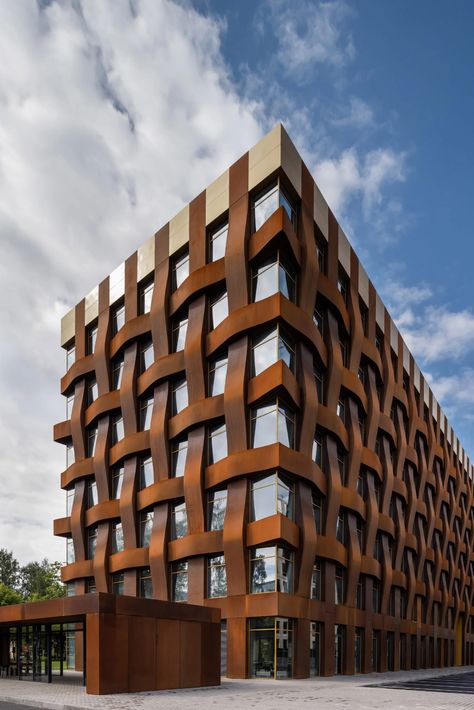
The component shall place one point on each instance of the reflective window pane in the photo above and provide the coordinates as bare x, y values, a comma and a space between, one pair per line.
117, 537
146, 356
144, 298
217, 376
146, 472
217, 443
217, 505
179, 527
117, 480
146, 526
181, 270
217, 243
179, 335
219, 310
216, 577
178, 457
265, 206
179, 581
180, 396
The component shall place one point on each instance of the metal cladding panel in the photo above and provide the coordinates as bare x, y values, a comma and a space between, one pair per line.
217, 198
380, 313
179, 230
265, 157
92, 306
146, 259
291, 161
417, 378
393, 336
344, 252
363, 285
117, 284
321, 212
68, 326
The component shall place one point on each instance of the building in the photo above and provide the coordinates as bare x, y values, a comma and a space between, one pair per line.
247, 430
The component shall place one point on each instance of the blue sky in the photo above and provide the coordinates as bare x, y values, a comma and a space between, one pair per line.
114, 114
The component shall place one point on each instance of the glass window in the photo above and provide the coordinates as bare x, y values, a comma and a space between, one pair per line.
146, 355
272, 423
70, 457
91, 542
70, 356
146, 411
179, 451
69, 500
270, 495
118, 318
271, 570
180, 270
91, 493
219, 310
317, 452
269, 347
145, 584
70, 557
216, 507
145, 469
217, 443
92, 391
315, 649
318, 512
319, 378
339, 585
216, 577
178, 334
91, 441
267, 202
217, 242
179, 521
316, 586
339, 640
146, 526
318, 320
341, 410
91, 339
117, 429
117, 537
118, 584
271, 647
272, 276
145, 294
217, 375
70, 589
179, 581
340, 528
343, 286
90, 586
180, 396
117, 372
69, 405
321, 253
116, 481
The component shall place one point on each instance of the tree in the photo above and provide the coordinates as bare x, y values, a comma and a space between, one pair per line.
9, 595
41, 580
9, 569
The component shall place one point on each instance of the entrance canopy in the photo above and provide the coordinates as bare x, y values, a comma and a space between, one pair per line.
129, 644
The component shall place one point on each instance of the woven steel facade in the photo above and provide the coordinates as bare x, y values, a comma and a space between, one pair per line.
247, 430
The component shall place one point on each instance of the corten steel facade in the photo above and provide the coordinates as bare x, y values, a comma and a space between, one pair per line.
250, 432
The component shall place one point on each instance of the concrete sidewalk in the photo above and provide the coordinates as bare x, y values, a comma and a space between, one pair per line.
335, 693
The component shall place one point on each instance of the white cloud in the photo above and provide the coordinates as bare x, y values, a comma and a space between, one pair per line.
351, 176
438, 333
311, 33
112, 115
358, 114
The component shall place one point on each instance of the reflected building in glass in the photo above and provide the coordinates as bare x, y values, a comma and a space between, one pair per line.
246, 429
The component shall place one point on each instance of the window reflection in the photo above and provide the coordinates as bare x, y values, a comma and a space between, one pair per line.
179, 451
271, 570
217, 242
270, 495
180, 270
216, 577
178, 335
268, 202
216, 508
179, 581
217, 443
272, 423
179, 521
219, 310
217, 376
180, 396
273, 276
270, 347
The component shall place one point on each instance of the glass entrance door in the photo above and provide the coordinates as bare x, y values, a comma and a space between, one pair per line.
271, 647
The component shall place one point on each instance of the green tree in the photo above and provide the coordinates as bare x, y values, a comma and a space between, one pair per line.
41, 580
9, 595
9, 569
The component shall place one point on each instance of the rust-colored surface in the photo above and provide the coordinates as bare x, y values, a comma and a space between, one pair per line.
417, 498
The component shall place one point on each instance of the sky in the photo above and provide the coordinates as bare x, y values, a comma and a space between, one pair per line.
114, 114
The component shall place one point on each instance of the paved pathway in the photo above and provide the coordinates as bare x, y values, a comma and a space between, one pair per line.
366, 692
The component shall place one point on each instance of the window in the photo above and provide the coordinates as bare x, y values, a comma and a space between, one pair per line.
360, 533
319, 379
146, 411
271, 570
316, 581
91, 339
270, 495
91, 441
359, 595
217, 376
267, 202
339, 642
322, 253
70, 558
315, 649
216, 507
146, 355
271, 647
118, 584
339, 585
145, 470
70, 458
272, 423
117, 372
91, 542
379, 339
69, 405
69, 500
358, 650
179, 521
117, 429
378, 549
91, 493
180, 397
318, 512
92, 391
216, 577
340, 528
217, 242
269, 347
145, 584
218, 310
179, 581
145, 527
70, 356
217, 443
341, 462
180, 270
117, 537
343, 344
118, 318
116, 481
317, 452
271, 277
145, 294
341, 410
178, 334
376, 595
90, 586
179, 451
343, 286
364, 316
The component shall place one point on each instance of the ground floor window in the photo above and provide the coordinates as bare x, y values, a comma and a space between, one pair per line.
315, 649
358, 650
271, 647
339, 638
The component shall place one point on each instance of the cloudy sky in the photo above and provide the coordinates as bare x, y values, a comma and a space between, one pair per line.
113, 114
